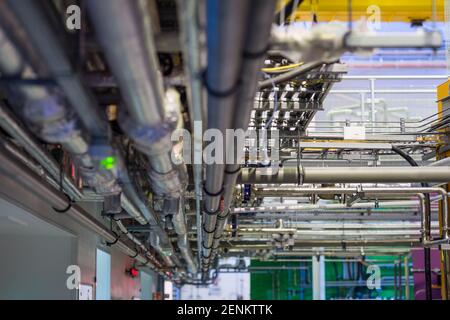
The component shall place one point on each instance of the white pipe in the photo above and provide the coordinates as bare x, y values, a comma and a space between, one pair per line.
328, 206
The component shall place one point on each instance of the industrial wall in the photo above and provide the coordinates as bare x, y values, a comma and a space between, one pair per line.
51, 257
34, 267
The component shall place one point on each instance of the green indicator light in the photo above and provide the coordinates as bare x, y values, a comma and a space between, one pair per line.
108, 163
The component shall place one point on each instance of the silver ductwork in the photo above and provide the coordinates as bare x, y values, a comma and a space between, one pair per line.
176, 209
193, 51
256, 44
50, 119
151, 116
23, 137
48, 115
226, 30
183, 244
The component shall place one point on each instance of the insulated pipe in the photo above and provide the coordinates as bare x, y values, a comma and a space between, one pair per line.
190, 35
51, 120
256, 43
52, 51
183, 244
80, 98
175, 208
124, 31
151, 116
345, 175
27, 141
226, 30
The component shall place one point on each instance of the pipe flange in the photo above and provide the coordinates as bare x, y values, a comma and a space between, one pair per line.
217, 93
206, 257
217, 238
207, 248
212, 194
104, 184
220, 217
209, 232
150, 140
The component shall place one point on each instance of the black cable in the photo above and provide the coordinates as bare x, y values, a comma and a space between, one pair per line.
62, 169
426, 250
68, 207
109, 244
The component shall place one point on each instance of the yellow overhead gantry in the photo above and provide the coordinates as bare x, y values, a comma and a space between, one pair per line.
388, 10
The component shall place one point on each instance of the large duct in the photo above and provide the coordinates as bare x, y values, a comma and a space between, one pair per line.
256, 43
175, 208
151, 116
344, 175
55, 123
226, 30
49, 117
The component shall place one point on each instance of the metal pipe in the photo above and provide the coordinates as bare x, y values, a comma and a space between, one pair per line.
175, 208
440, 163
27, 141
340, 225
151, 116
233, 246
308, 207
390, 191
256, 43
40, 104
226, 30
53, 53
52, 121
345, 175
426, 223
188, 12
186, 251
130, 50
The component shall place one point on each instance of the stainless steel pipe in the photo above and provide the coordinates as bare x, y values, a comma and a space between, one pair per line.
226, 31
345, 175
256, 43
